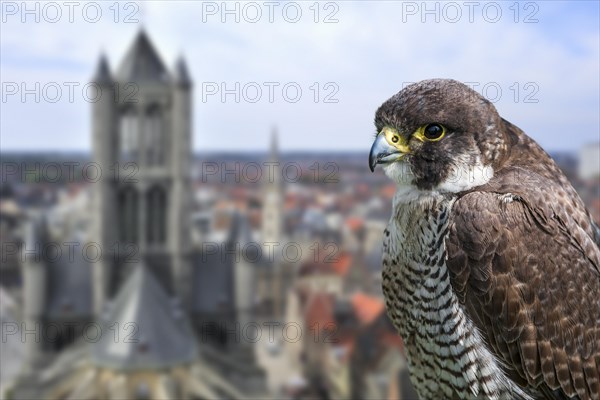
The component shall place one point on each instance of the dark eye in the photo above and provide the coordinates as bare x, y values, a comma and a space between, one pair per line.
434, 132
395, 139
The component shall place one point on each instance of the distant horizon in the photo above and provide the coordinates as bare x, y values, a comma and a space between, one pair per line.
11, 152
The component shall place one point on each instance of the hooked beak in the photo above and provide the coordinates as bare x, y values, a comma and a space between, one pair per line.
384, 153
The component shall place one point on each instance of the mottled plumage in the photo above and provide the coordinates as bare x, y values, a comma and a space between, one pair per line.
491, 266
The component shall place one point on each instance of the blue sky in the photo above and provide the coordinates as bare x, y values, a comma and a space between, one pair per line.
547, 70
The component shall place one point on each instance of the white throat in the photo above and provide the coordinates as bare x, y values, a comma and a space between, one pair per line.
463, 176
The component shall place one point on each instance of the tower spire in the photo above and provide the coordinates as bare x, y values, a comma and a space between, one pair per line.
142, 62
102, 74
274, 144
272, 221
182, 76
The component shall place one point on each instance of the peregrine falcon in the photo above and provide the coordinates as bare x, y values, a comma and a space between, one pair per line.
491, 264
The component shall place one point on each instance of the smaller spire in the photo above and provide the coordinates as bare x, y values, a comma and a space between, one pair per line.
274, 144
273, 182
182, 76
102, 74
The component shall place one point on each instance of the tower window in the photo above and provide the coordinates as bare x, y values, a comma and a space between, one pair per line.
129, 135
128, 215
156, 215
155, 146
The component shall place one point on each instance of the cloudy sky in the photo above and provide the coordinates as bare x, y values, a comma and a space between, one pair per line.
538, 61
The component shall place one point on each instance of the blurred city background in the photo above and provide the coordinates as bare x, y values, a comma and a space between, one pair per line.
186, 208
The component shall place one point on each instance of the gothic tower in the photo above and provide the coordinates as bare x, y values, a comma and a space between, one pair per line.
272, 224
142, 146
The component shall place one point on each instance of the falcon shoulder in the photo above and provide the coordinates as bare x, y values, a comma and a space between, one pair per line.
527, 271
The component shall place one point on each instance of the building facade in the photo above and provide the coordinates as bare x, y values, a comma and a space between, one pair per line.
142, 283
142, 143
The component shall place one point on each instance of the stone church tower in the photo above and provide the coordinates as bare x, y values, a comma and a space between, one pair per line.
140, 211
272, 227
142, 143
272, 219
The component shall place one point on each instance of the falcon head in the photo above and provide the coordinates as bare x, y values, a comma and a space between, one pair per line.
440, 135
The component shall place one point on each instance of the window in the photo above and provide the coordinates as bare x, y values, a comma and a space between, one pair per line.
128, 135
156, 215
128, 215
155, 146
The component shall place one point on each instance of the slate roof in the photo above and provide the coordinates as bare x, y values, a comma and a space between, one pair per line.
214, 268
182, 76
69, 284
142, 62
213, 282
102, 74
158, 336
69, 276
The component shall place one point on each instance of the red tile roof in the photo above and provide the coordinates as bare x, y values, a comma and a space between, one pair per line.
367, 308
355, 223
327, 263
392, 339
341, 266
389, 191
318, 313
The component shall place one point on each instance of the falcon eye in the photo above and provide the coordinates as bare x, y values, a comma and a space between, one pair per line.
434, 132
395, 139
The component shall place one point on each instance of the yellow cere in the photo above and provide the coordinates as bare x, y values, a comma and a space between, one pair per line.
395, 139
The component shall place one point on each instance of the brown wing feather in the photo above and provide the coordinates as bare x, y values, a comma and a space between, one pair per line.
528, 275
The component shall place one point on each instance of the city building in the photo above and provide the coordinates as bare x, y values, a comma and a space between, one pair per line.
589, 162
128, 323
